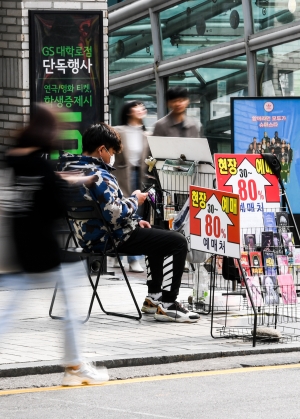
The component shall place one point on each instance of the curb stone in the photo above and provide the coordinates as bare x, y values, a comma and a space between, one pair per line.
40, 368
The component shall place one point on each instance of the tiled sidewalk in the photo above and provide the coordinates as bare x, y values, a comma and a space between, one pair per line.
38, 340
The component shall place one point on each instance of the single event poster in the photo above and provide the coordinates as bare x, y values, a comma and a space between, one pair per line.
214, 221
255, 290
270, 125
287, 288
251, 178
66, 69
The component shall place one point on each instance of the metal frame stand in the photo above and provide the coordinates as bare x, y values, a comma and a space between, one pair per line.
212, 298
85, 257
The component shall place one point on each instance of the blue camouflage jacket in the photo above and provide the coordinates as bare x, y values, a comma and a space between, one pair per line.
119, 212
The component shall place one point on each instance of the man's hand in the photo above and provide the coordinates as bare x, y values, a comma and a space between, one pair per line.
141, 196
144, 224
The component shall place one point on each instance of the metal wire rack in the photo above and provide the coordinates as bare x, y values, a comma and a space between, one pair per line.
269, 310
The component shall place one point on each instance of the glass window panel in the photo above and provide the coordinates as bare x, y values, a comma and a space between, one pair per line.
113, 2
130, 47
145, 93
197, 24
278, 70
210, 89
267, 14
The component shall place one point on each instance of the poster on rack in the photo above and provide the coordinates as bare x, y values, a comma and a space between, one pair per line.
214, 221
67, 69
271, 125
250, 177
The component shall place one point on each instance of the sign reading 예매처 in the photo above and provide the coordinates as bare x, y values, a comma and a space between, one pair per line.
66, 57
214, 221
249, 176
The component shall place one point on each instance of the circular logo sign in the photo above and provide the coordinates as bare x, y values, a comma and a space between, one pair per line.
268, 106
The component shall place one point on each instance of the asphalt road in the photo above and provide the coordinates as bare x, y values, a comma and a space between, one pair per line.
260, 386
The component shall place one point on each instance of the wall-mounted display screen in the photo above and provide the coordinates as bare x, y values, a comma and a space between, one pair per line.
66, 69
270, 125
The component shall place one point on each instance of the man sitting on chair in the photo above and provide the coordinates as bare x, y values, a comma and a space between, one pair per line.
166, 250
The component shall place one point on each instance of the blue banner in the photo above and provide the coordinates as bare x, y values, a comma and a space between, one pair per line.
270, 125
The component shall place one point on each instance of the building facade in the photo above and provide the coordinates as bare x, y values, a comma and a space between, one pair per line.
218, 49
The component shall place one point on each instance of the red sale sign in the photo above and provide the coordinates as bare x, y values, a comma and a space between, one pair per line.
214, 221
249, 176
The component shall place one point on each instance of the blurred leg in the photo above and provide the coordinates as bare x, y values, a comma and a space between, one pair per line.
68, 273
16, 284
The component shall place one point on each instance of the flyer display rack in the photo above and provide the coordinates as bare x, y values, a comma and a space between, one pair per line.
266, 308
231, 297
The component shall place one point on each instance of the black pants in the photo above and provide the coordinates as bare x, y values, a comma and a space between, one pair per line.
166, 252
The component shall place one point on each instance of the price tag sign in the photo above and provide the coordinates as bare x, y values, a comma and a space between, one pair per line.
249, 176
215, 221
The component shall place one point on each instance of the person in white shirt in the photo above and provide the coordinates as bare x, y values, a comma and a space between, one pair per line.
130, 164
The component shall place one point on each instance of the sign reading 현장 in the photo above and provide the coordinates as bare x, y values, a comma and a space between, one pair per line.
249, 176
215, 221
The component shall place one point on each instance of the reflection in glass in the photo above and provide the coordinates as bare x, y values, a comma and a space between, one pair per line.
130, 47
113, 2
267, 14
197, 24
278, 70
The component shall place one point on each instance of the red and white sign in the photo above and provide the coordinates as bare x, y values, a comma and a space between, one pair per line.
215, 221
249, 176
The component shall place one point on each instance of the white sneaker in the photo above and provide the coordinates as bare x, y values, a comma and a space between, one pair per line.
116, 263
135, 267
86, 374
175, 313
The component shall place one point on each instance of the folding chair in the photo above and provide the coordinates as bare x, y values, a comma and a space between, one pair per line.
89, 210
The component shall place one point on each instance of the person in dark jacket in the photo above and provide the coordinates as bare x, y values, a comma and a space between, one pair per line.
35, 200
166, 250
176, 123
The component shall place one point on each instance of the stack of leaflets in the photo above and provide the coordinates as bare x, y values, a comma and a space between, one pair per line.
282, 219
256, 263
245, 263
250, 242
270, 263
283, 264
269, 286
267, 241
269, 221
277, 248
255, 291
288, 243
296, 259
287, 289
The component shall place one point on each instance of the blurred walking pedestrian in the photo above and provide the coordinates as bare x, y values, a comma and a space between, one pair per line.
33, 202
176, 123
